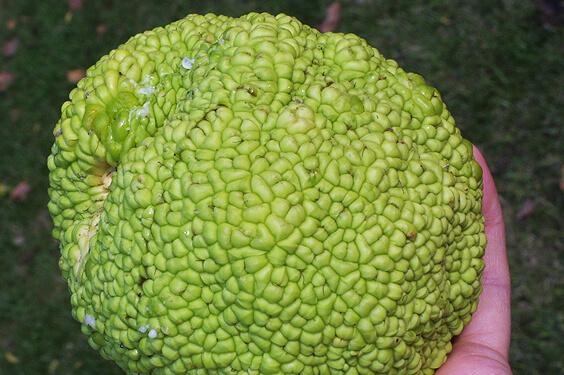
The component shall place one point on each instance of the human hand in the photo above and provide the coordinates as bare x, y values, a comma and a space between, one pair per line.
482, 347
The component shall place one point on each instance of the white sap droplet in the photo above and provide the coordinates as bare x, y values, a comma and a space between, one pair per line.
90, 321
147, 90
143, 111
152, 334
146, 79
139, 112
144, 328
187, 63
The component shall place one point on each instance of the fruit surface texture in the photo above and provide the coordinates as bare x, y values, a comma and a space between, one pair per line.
251, 196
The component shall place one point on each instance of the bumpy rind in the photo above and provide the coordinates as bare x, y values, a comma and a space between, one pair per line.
248, 195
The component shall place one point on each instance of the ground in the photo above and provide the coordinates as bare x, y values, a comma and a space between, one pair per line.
497, 64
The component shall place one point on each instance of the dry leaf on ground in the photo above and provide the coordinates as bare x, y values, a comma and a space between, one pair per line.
4, 189
332, 17
10, 47
75, 75
20, 191
6, 79
75, 4
527, 209
11, 358
11, 24
101, 29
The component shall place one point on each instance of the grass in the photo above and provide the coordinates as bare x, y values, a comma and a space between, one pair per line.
498, 68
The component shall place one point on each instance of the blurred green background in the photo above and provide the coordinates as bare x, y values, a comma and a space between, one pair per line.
498, 64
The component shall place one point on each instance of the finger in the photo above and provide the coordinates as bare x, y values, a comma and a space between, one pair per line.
483, 345
490, 326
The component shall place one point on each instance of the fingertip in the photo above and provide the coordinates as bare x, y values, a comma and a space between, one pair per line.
491, 206
479, 156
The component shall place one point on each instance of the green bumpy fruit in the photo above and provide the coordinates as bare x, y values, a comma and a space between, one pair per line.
251, 196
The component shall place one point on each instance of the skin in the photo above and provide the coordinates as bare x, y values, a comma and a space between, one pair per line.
483, 346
